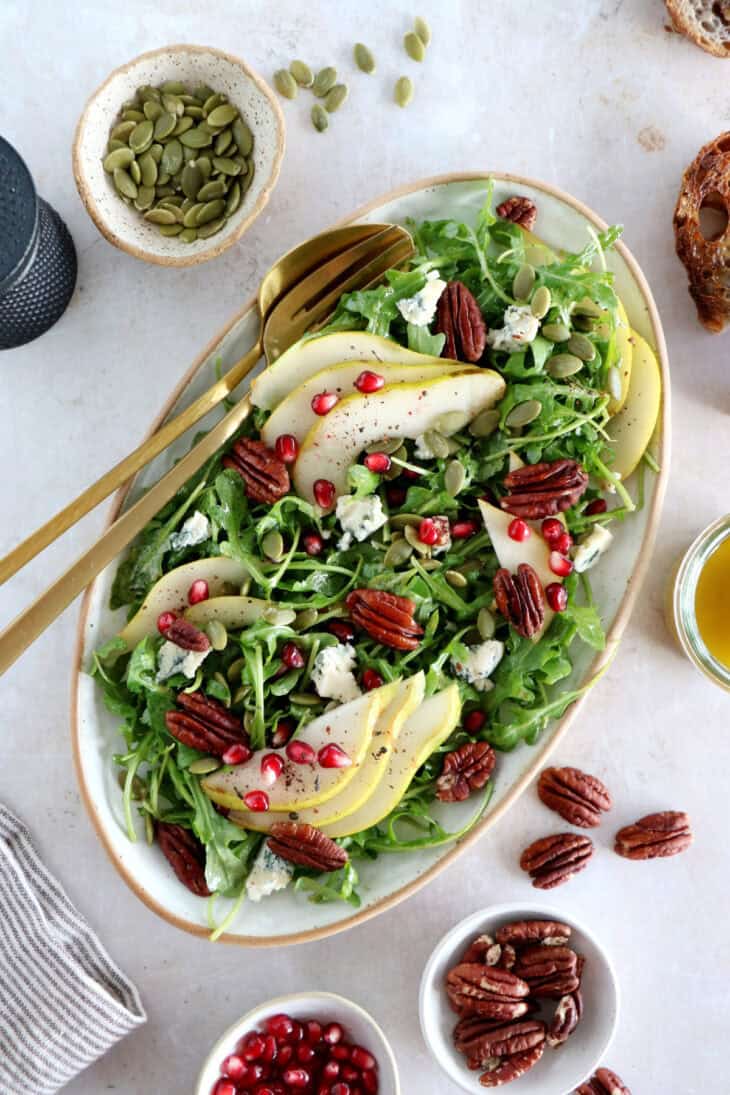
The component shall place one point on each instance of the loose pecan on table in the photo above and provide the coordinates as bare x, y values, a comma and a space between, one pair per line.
465, 770
506, 1069
543, 490
603, 1082
385, 617
578, 797
205, 724
519, 210
520, 599
187, 636
306, 846
475, 989
551, 972
265, 475
566, 1018
503, 1041
549, 932
553, 860
458, 316
185, 854
654, 836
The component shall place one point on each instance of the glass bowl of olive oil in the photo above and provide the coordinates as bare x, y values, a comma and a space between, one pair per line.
699, 608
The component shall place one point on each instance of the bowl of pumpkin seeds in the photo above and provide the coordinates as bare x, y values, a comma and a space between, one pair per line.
177, 152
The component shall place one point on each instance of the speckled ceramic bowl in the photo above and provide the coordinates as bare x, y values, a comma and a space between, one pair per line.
123, 225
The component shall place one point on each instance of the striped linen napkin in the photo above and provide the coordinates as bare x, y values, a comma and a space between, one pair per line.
63, 1002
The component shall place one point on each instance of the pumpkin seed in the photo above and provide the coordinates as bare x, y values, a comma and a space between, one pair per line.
364, 58
196, 138
485, 624
188, 235
135, 171
319, 118
122, 130
223, 142
484, 424
226, 166
240, 695
422, 29
192, 180
124, 183
451, 422
523, 413
217, 634
173, 87
152, 110
145, 198
582, 347
403, 92
233, 200
456, 579
402, 520
160, 216
584, 323
170, 229
587, 307
113, 144
234, 670
437, 443
165, 125
410, 533
302, 73
121, 157
563, 365
413, 46
148, 169
202, 93
210, 229
431, 564
272, 545
387, 445
190, 220
223, 114
454, 478
140, 138
325, 79
183, 125
398, 552
203, 766
541, 301
613, 383
172, 157
216, 188
213, 101
524, 282
243, 137
132, 115
206, 166
195, 112
555, 332
285, 83
335, 97
305, 699
306, 618
210, 211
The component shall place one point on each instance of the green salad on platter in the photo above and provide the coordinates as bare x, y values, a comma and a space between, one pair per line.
340, 622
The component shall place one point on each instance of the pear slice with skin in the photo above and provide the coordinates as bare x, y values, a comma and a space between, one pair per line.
170, 593
632, 429
236, 613
398, 410
294, 414
310, 355
430, 725
302, 786
408, 696
624, 348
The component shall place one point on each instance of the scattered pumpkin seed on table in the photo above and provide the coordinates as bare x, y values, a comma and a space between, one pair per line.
423, 30
319, 117
324, 81
285, 83
364, 58
413, 46
302, 73
335, 97
403, 93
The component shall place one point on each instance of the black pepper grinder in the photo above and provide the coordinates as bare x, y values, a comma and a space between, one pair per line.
37, 256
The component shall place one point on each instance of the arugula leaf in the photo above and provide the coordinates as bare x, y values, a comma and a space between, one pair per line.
422, 341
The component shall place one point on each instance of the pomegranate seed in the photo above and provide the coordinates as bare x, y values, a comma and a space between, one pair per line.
254, 1073
559, 564
462, 530
324, 493
344, 631
305, 1053
324, 402
237, 754
369, 1081
268, 1053
331, 756
233, 1067
292, 656
271, 768
409, 473
287, 448
300, 752
350, 1074
361, 1058
284, 730
551, 529
427, 531
395, 494
264, 1089
286, 1052
331, 1070
313, 543
281, 1026
332, 1034
313, 1032
598, 505
378, 462
519, 530
297, 1077
562, 543
557, 596
198, 592
341, 1052
297, 1033
324, 1089
474, 721
165, 621
371, 680
224, 1087
256, 801
252, 1046
340, 1089
368, 382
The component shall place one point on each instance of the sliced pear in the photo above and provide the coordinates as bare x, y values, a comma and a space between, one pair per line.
423, 732
302, 786
236, 613
170, 594
632, 429
294, 414
624, 348
311, 355
537, 252
407, 697
399, 410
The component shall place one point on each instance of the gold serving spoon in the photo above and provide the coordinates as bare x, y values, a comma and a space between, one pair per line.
297, 295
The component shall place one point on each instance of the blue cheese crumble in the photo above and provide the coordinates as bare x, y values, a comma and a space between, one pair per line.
359, 517
421, 307
480, 663
591, 548
520, 328
268, 874
195, 530
173, 659
332, 673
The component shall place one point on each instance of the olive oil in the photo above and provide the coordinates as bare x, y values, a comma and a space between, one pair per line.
712, 603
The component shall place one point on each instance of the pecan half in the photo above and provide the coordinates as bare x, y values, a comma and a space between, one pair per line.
566, 1018
187, 636
265, 475
385, 617
553, 860
549, 932
459, 318
465, 770
306, 846
578, 797
205, 724
504, 1041
484, 949
475, 989
542, 490
655, 835
519, 210
551, 972
603, 1082
469, 1030
511, 1068
185, 854
520, 599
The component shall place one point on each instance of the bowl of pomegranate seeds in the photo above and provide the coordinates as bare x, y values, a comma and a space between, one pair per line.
519, 994
313, 1043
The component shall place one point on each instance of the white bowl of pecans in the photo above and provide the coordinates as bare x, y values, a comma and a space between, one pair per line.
519, 993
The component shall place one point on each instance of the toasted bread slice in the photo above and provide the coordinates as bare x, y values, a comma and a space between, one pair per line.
704, 22
706, 256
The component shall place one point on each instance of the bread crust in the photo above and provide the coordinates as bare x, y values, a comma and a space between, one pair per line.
704, 22
706, 183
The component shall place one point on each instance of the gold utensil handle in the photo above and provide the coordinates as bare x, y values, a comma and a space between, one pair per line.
120, 473
26, 627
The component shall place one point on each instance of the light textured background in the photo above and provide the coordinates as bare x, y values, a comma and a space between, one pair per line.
593, 96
